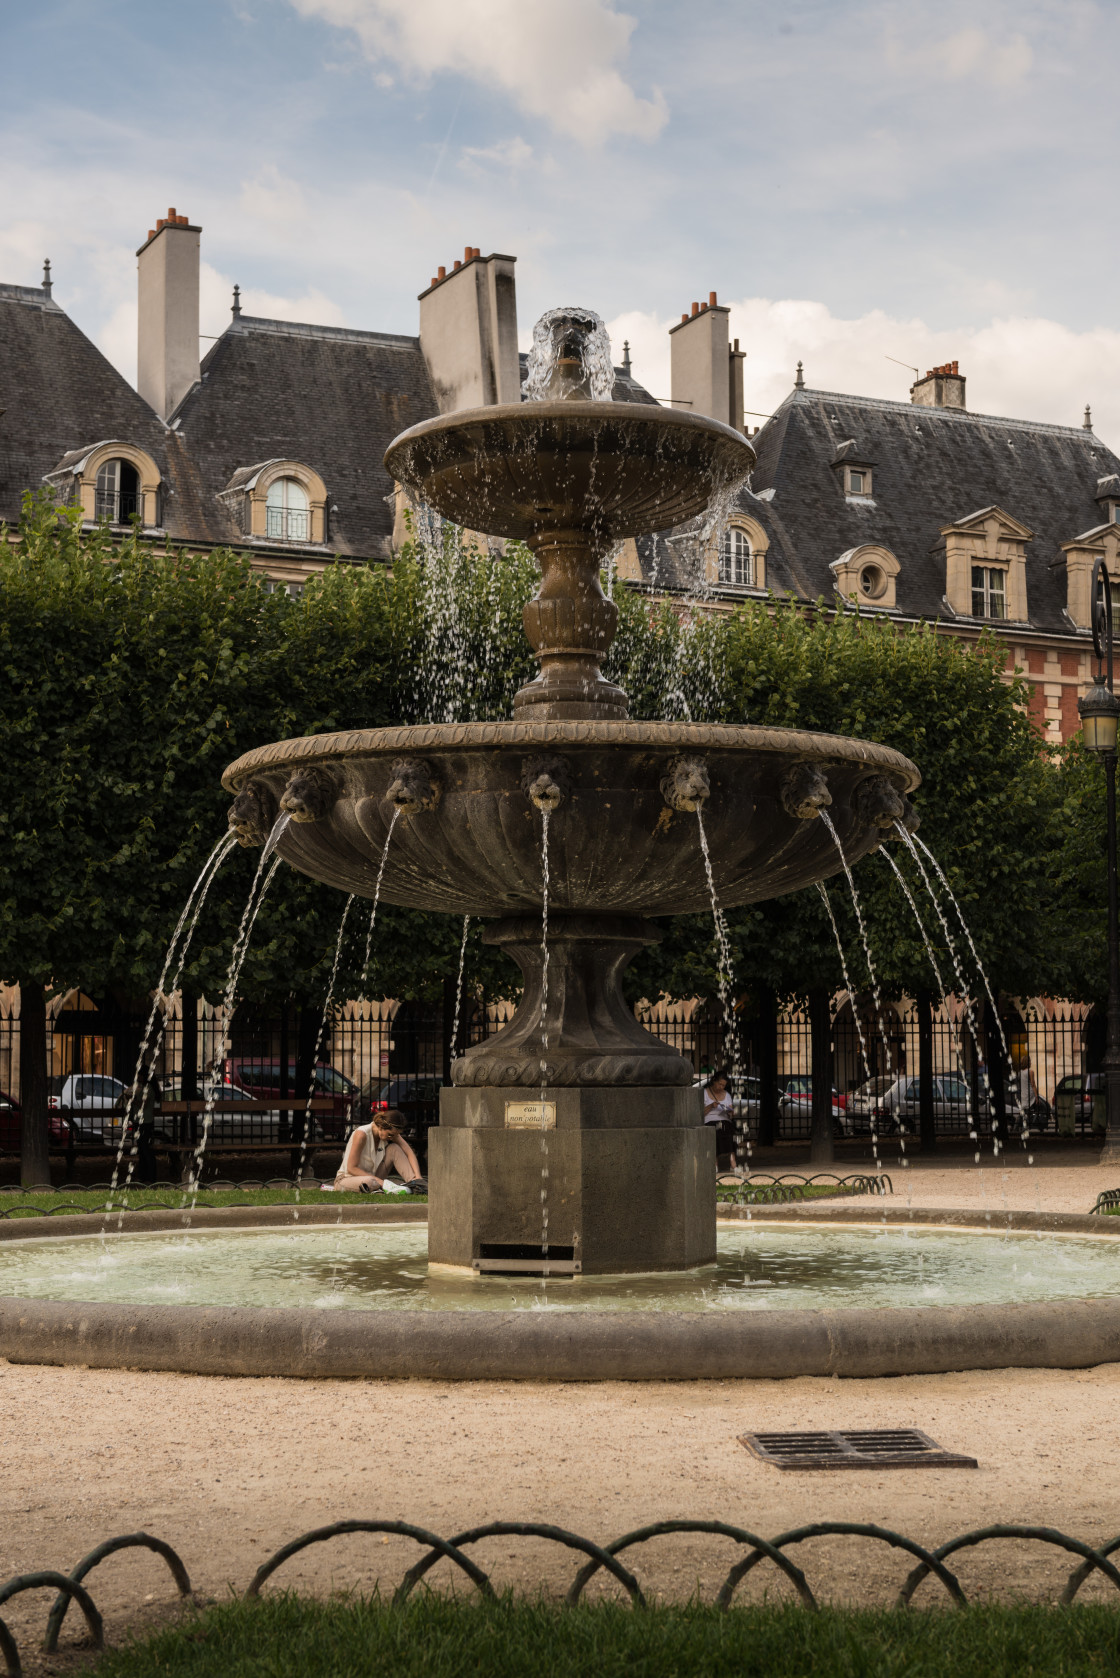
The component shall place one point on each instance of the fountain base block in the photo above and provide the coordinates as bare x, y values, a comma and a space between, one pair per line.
631, 1182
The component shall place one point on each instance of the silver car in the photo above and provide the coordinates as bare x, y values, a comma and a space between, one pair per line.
94, 1103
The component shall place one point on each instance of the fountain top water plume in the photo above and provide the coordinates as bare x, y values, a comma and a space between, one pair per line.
570, 357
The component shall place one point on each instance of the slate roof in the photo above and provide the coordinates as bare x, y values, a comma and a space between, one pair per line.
329, 397
933, 467
59, 395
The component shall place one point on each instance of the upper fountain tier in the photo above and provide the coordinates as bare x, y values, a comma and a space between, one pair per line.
570, 477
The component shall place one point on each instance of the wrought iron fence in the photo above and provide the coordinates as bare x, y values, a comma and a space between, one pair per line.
390, 1054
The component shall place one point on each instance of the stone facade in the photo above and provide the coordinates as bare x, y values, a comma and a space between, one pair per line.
273, 441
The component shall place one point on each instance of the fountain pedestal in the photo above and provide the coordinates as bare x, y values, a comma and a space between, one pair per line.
630, 1184
577, 1111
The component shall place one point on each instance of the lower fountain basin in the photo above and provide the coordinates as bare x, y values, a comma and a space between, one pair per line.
468, 839
777, 1303
385, 1268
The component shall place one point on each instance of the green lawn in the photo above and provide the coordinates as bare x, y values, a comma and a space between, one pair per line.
60, 1201
769, 1194
433, 1637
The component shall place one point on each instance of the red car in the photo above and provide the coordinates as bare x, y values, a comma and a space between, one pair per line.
11, 1126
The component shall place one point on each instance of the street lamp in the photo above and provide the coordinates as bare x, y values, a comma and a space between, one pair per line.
1100, 712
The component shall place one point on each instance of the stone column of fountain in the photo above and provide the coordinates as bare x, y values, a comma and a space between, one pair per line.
631, 1170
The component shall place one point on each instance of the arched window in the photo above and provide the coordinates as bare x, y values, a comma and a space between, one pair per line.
735, 561
288, 516
117, 494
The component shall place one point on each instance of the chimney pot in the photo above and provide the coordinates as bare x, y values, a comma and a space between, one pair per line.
457, 267
736, 346
433, 281
696, 308
476, 251
151, 233
684, 317
711, 299
468, 252
171, 213
441, 273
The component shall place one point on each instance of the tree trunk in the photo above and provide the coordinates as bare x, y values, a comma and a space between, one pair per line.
188, 1049
35, 1165
926, 1128
768, 1069
821, 1150
997, 1072
450, 1048
309, 1021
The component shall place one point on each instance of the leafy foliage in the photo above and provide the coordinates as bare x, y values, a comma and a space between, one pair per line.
135, 676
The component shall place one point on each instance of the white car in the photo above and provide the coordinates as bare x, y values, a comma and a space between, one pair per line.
94, 1103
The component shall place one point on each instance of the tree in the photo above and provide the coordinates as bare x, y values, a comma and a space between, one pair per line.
135, 676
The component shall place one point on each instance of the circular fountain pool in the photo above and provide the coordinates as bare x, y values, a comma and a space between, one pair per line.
384, 1268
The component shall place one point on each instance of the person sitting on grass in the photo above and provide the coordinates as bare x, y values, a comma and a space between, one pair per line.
372, 1151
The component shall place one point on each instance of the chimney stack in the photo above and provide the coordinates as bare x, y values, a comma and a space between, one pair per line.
706, 372
167, 360
468, 332
942, 387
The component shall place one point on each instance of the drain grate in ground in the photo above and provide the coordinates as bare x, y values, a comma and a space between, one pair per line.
887, 1447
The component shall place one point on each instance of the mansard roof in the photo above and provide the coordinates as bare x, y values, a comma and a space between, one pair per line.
934, 468
60, 397
329, 397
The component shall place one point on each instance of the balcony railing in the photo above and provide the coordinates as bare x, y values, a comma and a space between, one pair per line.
288, 524
118, 506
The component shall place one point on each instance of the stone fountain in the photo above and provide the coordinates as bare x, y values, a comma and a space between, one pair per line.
609, 1108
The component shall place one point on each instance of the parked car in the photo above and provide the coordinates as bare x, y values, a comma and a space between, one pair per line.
94, 1104
260, 1079
796, 1101
865, 1109
11, 1126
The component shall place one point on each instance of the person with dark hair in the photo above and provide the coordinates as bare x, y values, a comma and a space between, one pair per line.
718, 1111
372, 1151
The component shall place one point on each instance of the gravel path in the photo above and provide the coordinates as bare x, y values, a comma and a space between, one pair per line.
227, 1470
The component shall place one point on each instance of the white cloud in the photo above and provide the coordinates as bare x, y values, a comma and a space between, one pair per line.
557, 59
514, 153
994, 56
1019, 366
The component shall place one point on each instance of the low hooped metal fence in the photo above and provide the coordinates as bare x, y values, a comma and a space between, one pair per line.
762, 1188
70, 1586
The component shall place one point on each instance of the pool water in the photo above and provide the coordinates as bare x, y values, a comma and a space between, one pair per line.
384, 1267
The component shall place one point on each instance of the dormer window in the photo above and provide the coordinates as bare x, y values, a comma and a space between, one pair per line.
866, 575
112, 482
736, 562
278, 501
989, 592
117, 492
853, 470
287, 512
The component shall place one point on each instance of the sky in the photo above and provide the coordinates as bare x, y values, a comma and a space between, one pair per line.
857, 181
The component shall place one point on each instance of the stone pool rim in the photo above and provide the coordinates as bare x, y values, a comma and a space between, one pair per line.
304, 1343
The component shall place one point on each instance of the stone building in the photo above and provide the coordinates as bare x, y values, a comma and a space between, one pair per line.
273, 442
910, 511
